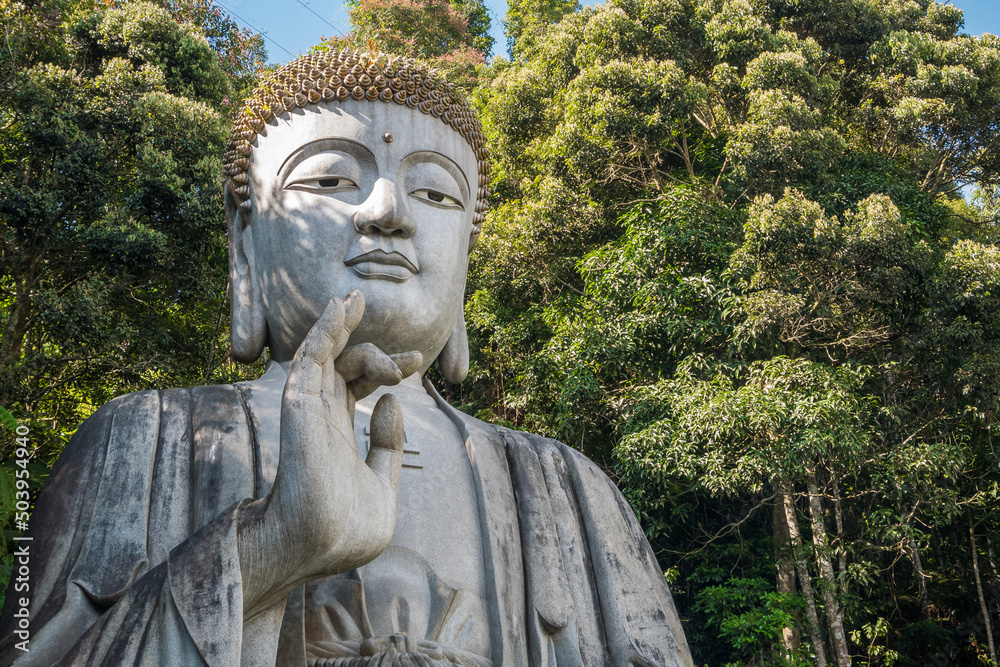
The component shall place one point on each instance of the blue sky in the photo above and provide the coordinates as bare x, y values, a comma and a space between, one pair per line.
299, 24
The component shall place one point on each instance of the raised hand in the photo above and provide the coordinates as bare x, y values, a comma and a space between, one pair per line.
328, 511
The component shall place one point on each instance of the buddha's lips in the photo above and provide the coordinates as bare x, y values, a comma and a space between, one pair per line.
379, 256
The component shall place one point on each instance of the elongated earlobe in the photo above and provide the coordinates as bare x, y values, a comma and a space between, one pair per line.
248, 327
454, 358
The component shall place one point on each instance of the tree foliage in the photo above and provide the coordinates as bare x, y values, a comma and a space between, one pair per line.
527, 18
729, 258
450, 35
240, 51
112, 242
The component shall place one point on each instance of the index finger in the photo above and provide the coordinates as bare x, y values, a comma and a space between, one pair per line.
325, 340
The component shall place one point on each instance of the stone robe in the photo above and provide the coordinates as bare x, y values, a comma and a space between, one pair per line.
134, 559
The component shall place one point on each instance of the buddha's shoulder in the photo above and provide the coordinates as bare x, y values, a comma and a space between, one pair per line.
523, 443
539, 466
147, 410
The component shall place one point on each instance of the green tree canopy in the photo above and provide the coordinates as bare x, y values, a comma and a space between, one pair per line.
113, 119
527, 18
453, 36
113, 254
729, 258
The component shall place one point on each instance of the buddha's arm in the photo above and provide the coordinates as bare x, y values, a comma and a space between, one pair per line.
243, 561
329, 511
105, 586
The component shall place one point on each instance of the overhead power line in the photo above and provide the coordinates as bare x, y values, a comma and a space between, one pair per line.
250, 26
309, 9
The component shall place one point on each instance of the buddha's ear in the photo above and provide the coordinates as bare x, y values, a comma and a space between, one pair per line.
454, 358
248, 327
453, 361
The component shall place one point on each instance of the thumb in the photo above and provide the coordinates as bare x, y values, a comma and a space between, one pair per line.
385, 456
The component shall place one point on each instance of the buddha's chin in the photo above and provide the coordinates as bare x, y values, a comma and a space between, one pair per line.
393, 331
405, 316
399, 316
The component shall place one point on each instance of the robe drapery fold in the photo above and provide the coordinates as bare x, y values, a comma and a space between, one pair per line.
134, 558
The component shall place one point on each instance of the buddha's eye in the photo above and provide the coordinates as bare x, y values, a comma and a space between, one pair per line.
323, 184
437, 198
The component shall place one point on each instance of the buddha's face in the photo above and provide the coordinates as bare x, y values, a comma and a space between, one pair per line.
366, 196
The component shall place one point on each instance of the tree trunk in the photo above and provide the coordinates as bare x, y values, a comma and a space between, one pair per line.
17, 322
993, 568
918, 565
829, 589
685, 150
993, 565
804, 579
982, 598
790, 635
841, 548
215, 334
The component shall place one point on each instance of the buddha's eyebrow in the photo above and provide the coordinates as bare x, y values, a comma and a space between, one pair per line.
442, 161
328, 144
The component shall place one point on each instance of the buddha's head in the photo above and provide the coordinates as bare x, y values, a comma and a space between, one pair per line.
354, 171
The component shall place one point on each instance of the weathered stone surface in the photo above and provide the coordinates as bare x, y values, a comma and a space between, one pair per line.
337, 511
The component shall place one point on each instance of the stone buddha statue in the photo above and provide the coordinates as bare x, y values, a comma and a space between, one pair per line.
337, 511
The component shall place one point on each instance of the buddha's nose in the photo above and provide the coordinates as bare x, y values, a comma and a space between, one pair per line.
383, 212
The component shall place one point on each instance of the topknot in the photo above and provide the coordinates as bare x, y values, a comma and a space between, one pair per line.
340, 75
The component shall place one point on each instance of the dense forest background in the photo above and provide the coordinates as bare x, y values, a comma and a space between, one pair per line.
742, 253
